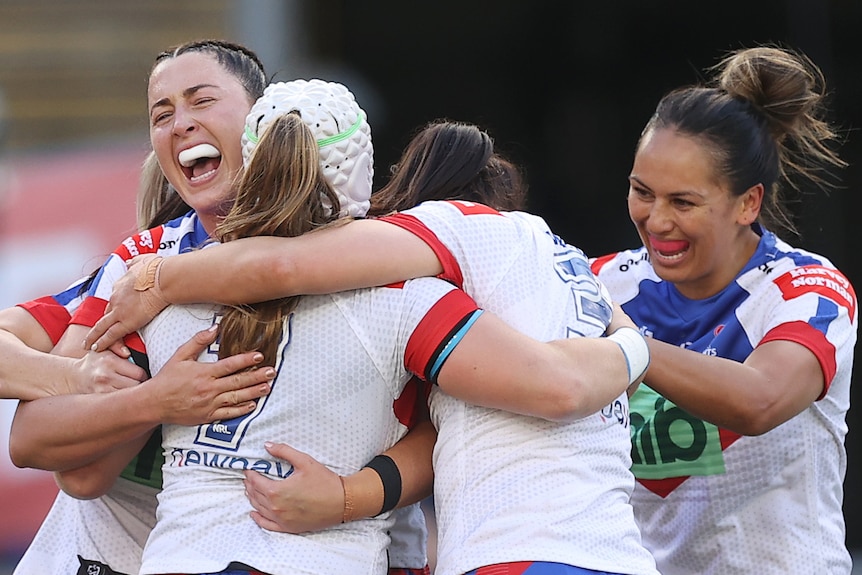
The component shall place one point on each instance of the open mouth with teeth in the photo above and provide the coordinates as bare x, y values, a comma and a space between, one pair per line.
200, 161
669, 249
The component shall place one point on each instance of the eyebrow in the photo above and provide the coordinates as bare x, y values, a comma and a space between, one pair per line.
639, 181
187, 93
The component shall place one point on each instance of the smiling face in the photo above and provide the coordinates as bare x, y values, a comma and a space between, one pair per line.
697, 233
197, 115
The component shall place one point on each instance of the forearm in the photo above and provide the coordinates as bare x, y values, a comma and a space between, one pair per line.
775, 383
92, 426
601, 373
317, 262
95, 479
27, 371
27, 374
560, 381
364, 490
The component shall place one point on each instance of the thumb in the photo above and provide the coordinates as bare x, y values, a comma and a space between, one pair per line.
198, 343
120, 349
283, 451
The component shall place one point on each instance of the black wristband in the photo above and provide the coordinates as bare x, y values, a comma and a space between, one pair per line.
391, 478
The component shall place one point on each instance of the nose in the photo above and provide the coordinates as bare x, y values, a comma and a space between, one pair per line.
658, 218
184, 121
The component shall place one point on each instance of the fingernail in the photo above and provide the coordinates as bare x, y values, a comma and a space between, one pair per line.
213, 327
267, 444
258, 357
94, 347
270, 373
126, 350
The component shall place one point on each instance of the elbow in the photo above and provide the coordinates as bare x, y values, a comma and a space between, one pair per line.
566, 404
18, 455
22, 454
752, 424
82, 485
753, 419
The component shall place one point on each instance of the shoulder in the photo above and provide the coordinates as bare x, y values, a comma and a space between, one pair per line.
797, 273
634, 262
158, 239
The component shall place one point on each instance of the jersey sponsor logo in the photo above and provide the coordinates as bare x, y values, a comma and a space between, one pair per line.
823, 281
616, 411
144, 243
131, 248
180, 457
670, 442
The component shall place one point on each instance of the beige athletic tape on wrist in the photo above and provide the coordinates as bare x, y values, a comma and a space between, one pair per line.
147, 282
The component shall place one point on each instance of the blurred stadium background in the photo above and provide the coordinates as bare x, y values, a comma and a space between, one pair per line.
564, 87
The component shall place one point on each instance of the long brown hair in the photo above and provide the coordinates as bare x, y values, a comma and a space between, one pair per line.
281, 193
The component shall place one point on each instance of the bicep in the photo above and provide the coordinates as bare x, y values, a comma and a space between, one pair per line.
496, 366
363, 253
793, 373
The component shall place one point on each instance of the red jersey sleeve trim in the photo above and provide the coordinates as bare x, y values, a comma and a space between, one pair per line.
811, 338
413, 402
89, 312
598, 263
451, 269
438, 328
53, 317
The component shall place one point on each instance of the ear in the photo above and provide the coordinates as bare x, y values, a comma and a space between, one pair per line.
749, 205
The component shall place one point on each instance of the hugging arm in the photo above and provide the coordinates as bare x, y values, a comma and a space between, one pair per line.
559, 380
71, 431
313, 497
778, 380
273, 267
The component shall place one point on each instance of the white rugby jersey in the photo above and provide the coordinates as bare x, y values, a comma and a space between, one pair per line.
343, 360
55, 546
509, 487
84, 536
711, 501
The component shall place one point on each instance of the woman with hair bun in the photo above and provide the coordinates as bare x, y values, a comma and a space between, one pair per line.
738, 430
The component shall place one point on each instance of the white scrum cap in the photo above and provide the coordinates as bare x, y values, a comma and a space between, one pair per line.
339, 125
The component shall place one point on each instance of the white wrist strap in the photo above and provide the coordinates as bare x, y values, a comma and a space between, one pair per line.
635, 350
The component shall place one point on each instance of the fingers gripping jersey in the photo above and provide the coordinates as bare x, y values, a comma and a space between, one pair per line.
513, 488
781, 490
342, 362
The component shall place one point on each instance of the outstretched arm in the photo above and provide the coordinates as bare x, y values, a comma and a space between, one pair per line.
560, 380
185, 392
776, 382
27, 370
271, 268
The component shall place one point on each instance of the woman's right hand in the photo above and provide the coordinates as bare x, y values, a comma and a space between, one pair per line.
309, 499
135, 301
